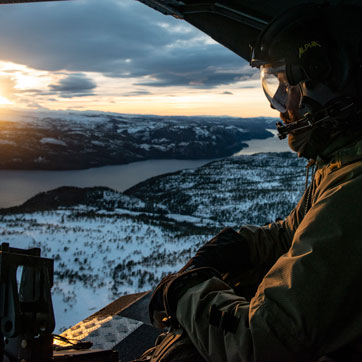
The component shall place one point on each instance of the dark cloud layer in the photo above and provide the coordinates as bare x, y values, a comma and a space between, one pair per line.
136, 93
75, 84
119, 38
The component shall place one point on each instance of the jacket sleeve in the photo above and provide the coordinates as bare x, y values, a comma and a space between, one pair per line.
308, 304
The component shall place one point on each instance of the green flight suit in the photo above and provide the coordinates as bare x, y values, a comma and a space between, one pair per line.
310, 301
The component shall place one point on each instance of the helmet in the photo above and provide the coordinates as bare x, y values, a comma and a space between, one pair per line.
310, 58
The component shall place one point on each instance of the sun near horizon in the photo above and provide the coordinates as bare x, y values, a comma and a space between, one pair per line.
24, 88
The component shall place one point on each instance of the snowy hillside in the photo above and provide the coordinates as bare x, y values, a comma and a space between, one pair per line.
76, 140
232, 191
106, 244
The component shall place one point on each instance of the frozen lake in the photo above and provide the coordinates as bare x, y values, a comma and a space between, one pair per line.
18, 186
273, 144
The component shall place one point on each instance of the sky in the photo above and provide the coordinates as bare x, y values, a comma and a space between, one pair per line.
119, 56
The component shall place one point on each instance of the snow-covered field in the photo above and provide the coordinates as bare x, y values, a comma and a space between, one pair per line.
99, 255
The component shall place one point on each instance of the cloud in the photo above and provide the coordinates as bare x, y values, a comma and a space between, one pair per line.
198, 77
36, 106
74, 85
136, 93
7, 86
89, 35
230, 93
118, 39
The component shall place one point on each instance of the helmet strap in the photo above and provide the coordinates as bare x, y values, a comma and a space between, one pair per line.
333, 115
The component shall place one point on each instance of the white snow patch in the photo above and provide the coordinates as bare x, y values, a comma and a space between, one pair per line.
52, 141
97, 143
6, 142
145, 146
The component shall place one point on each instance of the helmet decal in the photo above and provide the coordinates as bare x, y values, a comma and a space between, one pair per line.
307, 46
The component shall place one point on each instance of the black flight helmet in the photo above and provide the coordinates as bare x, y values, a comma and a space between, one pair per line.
311, 54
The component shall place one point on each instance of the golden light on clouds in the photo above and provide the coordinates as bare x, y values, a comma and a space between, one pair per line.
17, 83
4, 100
129, 59
23, 87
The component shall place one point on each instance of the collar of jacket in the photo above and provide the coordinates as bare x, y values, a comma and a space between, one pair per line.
342, 151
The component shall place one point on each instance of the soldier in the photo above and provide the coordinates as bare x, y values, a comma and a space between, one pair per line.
290, 290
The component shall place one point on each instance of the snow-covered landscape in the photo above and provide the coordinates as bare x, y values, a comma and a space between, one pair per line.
106, 243
65, 140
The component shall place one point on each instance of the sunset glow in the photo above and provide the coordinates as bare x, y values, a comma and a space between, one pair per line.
163, 67
4, 100
23, 87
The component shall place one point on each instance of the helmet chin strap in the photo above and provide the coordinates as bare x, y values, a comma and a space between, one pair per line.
333, 115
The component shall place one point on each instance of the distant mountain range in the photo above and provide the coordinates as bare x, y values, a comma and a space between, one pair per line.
59, 140
106, 243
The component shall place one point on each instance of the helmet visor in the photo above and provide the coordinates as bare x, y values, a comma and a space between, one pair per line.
276, 87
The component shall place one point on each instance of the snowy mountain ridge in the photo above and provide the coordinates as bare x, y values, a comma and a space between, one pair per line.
60, 140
